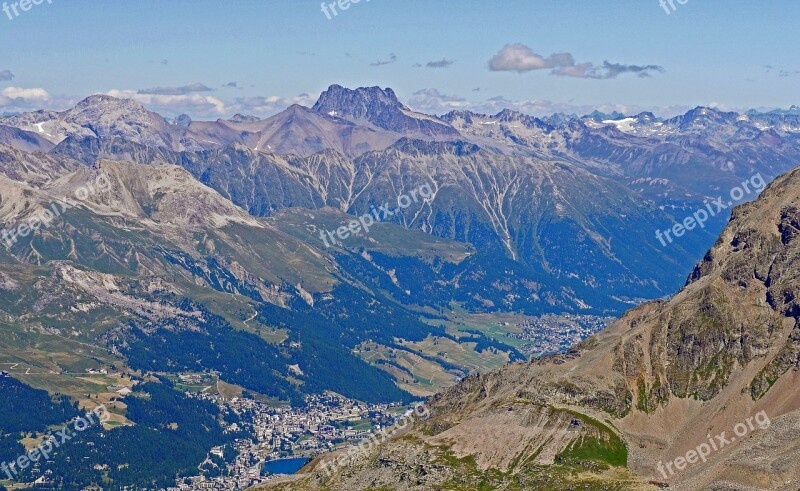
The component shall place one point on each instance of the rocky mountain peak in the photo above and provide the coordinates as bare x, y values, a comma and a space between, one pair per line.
105, 108
704, 116
646, 117
602, 116
243, 118
380, 108
465, 115
358, 103
511, 116
102, 99
184, 120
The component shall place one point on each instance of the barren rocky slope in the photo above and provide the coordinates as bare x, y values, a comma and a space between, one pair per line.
664, 379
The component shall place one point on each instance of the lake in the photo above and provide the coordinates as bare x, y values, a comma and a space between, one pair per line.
285, 466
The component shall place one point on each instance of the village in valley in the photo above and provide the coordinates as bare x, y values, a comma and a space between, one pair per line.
277, 433
551, 334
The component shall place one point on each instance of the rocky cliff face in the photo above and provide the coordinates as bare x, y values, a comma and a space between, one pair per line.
663, 377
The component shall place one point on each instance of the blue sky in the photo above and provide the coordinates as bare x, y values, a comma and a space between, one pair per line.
731, 53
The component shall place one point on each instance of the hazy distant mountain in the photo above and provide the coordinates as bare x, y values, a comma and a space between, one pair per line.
677, 163
243, 118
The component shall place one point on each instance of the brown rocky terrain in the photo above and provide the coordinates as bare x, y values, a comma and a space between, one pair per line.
662, 381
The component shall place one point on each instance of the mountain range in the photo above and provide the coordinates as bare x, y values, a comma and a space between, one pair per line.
203, 252
573, 202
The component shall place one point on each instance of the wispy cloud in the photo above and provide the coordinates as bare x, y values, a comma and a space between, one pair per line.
606, 71
6, 75
521, 59
432, 101
392, 59
443, 63
183, 90
781, 71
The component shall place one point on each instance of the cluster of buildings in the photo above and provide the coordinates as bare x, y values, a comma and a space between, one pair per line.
324, 423
551, 334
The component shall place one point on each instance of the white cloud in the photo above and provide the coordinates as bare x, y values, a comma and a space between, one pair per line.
21, 99
34, 94
520, 58
173, 104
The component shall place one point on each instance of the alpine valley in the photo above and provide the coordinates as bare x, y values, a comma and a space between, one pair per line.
203, 257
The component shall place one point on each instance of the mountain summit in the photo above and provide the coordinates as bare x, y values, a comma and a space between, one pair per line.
380, 108
362, 102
